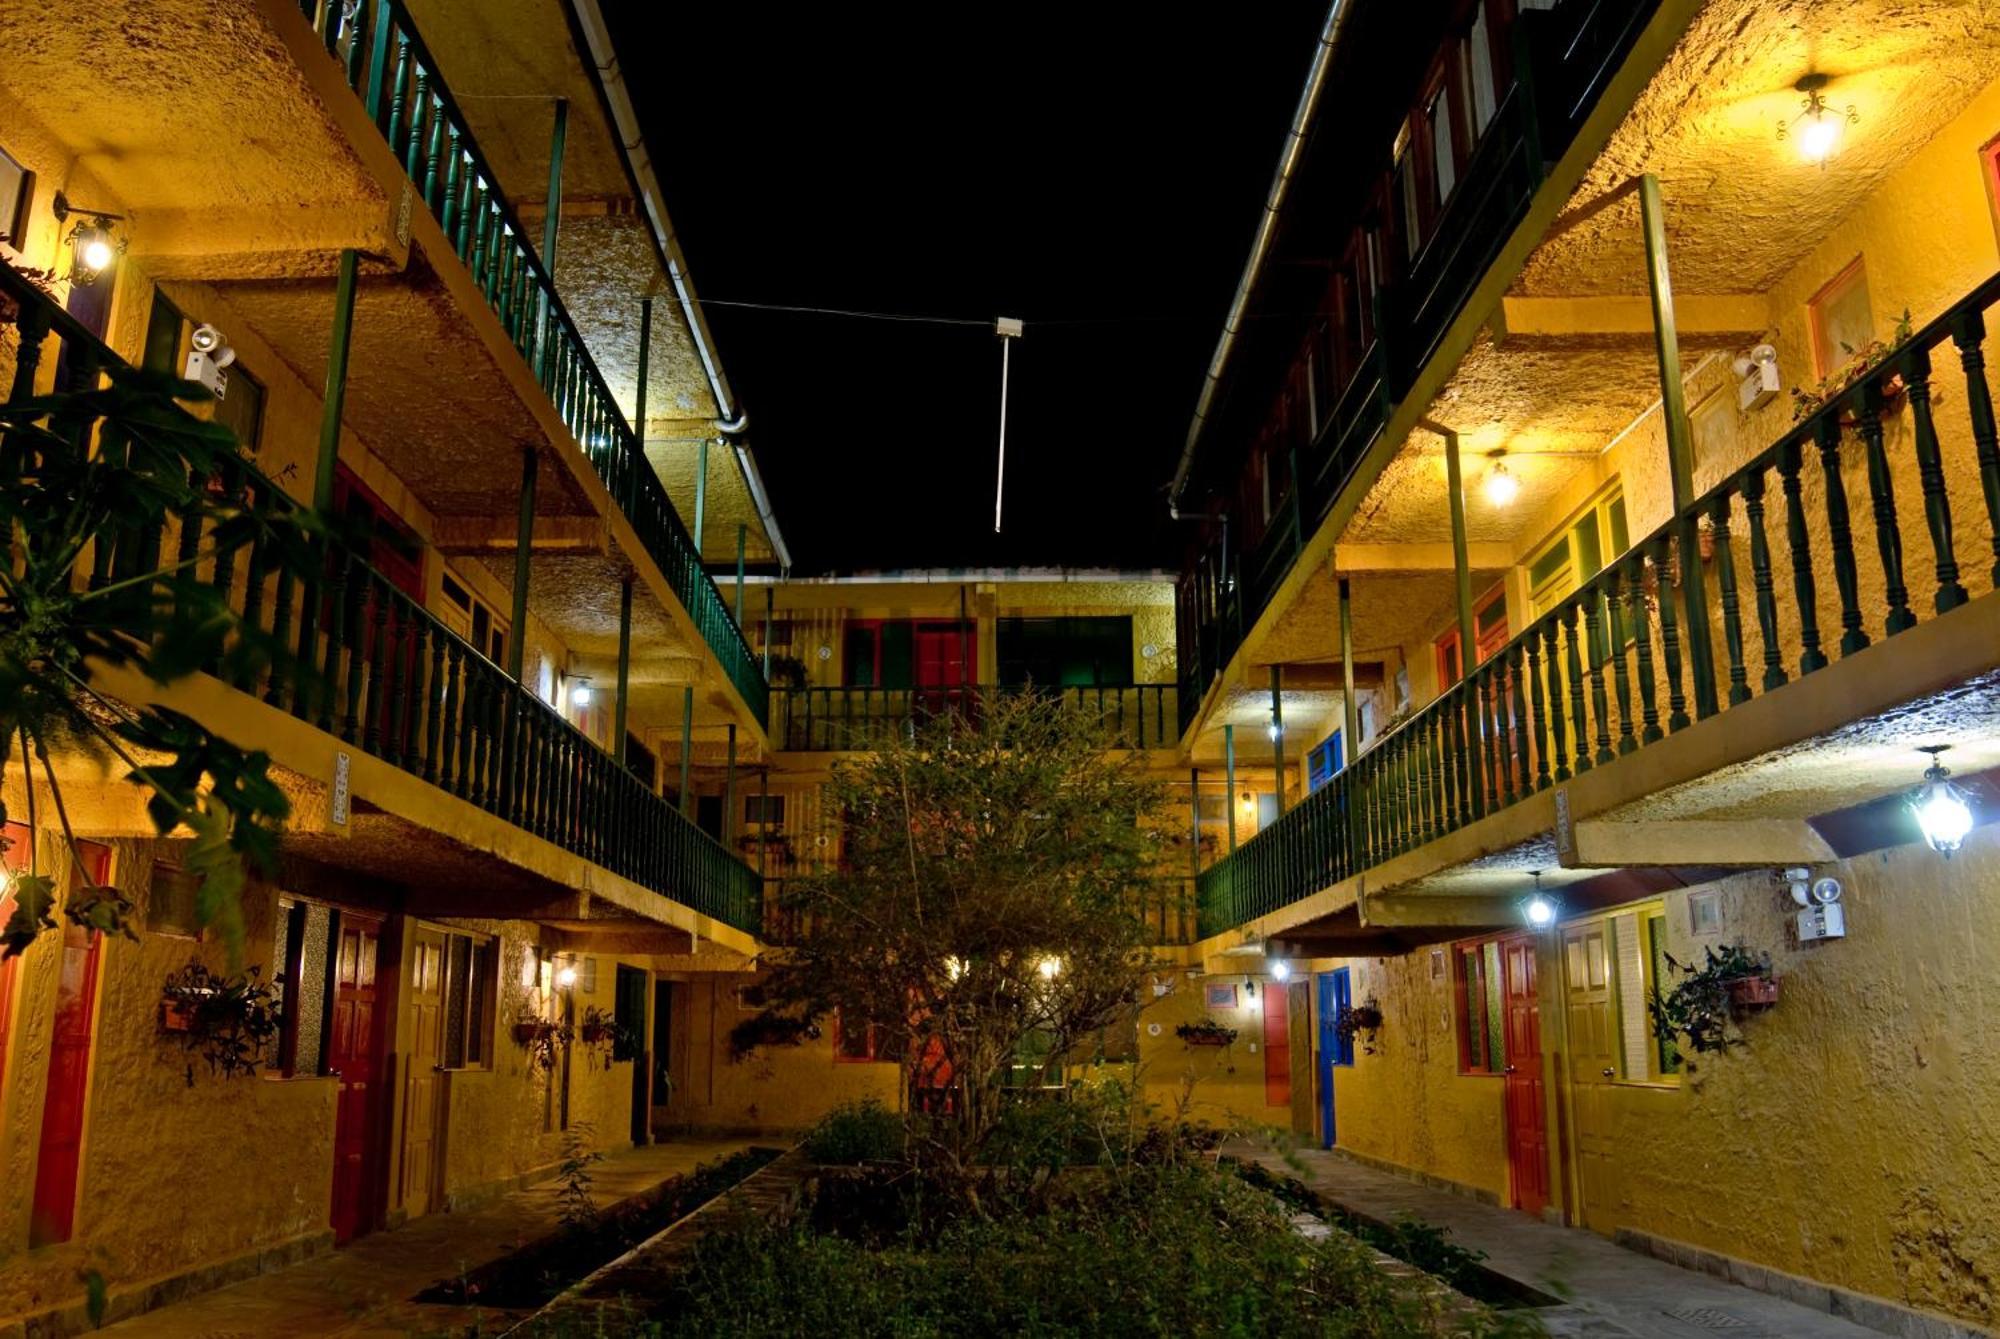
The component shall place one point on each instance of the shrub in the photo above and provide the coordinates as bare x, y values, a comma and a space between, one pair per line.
856, 1132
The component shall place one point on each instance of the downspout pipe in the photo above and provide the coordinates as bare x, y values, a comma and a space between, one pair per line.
1267, 228
595, 35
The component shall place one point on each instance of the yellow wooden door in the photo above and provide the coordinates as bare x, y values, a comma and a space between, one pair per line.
1593, 1069
420, 1089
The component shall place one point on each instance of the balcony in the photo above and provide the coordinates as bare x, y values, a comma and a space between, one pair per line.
822, 720
383, 61
1758, 604
1344, 387
375, 670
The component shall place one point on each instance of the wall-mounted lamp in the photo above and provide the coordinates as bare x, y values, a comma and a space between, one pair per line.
1500, 487
1944, 815
1817, 126
566, 977
1540, 910
1275, 728
1050, 968
580, 693
92, 247
1279, 969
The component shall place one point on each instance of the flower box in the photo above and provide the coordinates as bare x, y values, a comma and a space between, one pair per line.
1753, 992
1205, 1034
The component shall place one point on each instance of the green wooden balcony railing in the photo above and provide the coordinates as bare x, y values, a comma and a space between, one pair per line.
375, 668
1132, 716
385, 62
1610, 670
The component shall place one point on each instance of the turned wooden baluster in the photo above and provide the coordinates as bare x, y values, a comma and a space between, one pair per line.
377, 658
1916, 367
1557, 739
1540, 718
1840, 533
254, 575
1732, 613
336, 610
281, 636
396, 688
452, 745
1968, 332
1751, 482
1593, 633
418, 757
1621, 675
1573, 683
477, 736
1517, 684
413, 143
394, 130
1798, 540
1882, 496
454, 190
1670, 639
433, 157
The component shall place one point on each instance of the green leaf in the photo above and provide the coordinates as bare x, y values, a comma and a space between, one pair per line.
34, 912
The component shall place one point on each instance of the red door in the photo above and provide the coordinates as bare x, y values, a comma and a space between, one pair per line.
61, 1155
942, 670
352, 1055
1527, 1129
1277, 1045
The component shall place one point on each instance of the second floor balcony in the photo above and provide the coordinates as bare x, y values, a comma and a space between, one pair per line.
811, 720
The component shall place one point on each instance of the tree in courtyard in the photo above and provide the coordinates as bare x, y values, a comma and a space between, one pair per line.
988, 905
95, 483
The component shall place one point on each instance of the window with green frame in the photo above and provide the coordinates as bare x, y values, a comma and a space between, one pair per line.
1480, 994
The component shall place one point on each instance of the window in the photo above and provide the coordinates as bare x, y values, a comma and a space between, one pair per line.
907, 653
1578, 551
170, 901
1480, 992
1840, 320
764, 810
241, 408
1489, 625
17, 194
853, 1045
1444, 153
1323, 762
1712, 422
301, 947
471, 618
471, 973
1624, 956
1989, 167
1065, 652
1476, 57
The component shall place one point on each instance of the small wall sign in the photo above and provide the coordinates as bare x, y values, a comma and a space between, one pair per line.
342, 764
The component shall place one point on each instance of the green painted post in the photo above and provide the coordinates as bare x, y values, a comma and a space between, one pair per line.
770, 601
742, 537
639, 404
729, 788
1194, 820
687, 744
1352, 707
524, 539
700, 496
1229, 773
332, 405
558, 137
1454, 474
1278, 737
1680, 444
624, 666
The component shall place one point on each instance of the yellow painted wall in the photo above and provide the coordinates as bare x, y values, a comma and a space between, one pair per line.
776, 1088
174, 1175
1408, 1103
1222, 1085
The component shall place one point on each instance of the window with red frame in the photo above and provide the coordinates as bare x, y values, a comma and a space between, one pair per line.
1479, 993
853, 1045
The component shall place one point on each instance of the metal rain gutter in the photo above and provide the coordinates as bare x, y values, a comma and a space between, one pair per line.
1267, 227
625, 120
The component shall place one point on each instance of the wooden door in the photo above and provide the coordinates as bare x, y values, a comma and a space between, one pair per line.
60, 1158
420, 1088
353, 1055
1298, 1008
1593, 1068
631, 1016
663, 1061
1277, 1045
1332, 991
1527, 1127
13, 858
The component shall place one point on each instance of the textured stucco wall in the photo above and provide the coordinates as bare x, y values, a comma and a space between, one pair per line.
776, 1088
1222, 1085
174, 1176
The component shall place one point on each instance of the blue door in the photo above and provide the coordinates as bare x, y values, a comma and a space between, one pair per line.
1335, 994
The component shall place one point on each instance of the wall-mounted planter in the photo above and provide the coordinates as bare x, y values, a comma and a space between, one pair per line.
1754, 992
1205, 1034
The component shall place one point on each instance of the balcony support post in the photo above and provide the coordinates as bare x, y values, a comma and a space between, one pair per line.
1351, 709
1278, 736
742, 537
700, 496
729, 790
1194, 822
770, 601
624, 666
1455, 486
1680, 446
631, 489
1229, 775
687, 743
524, 539
558, 135
334, 402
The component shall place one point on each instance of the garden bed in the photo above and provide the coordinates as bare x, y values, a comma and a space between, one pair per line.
530, 1277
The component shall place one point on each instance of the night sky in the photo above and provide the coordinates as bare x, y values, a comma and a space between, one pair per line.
1097, 171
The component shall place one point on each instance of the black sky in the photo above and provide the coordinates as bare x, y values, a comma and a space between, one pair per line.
1094, 169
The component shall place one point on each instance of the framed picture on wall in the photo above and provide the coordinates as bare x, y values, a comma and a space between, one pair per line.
1219, 996
17, 189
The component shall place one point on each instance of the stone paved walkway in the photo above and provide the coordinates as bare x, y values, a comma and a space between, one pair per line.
366, 1289
1611, 1292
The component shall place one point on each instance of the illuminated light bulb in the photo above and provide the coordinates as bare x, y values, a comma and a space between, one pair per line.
1943, 814
1501, 487
1049, 967
1541, 912
1819, 136
953, 968
1275, 730
1280, 971
97, 253
566, 977
580, 694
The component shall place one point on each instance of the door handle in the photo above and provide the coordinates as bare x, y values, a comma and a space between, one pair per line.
1608, 1072
1508, 1070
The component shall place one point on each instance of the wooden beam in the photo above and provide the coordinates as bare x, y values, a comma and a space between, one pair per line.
1733, 316
625, 940
469, 535
1598, 843
1439, 911
1480, 556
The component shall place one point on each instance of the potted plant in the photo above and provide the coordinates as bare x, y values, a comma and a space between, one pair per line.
604, 1037
542, 1039
1207, 1032
231, 1022
1807, 401
1701, 1007
1353, 1020
787, 671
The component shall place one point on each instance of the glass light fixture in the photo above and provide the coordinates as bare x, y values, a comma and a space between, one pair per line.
1049, 967
92, 247
1500, 487
1817, 126
1279, 970
1944, 815
580, 694
566, 977
1275, 729
1540, 910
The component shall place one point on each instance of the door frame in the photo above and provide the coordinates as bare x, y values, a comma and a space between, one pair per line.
1533, 943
